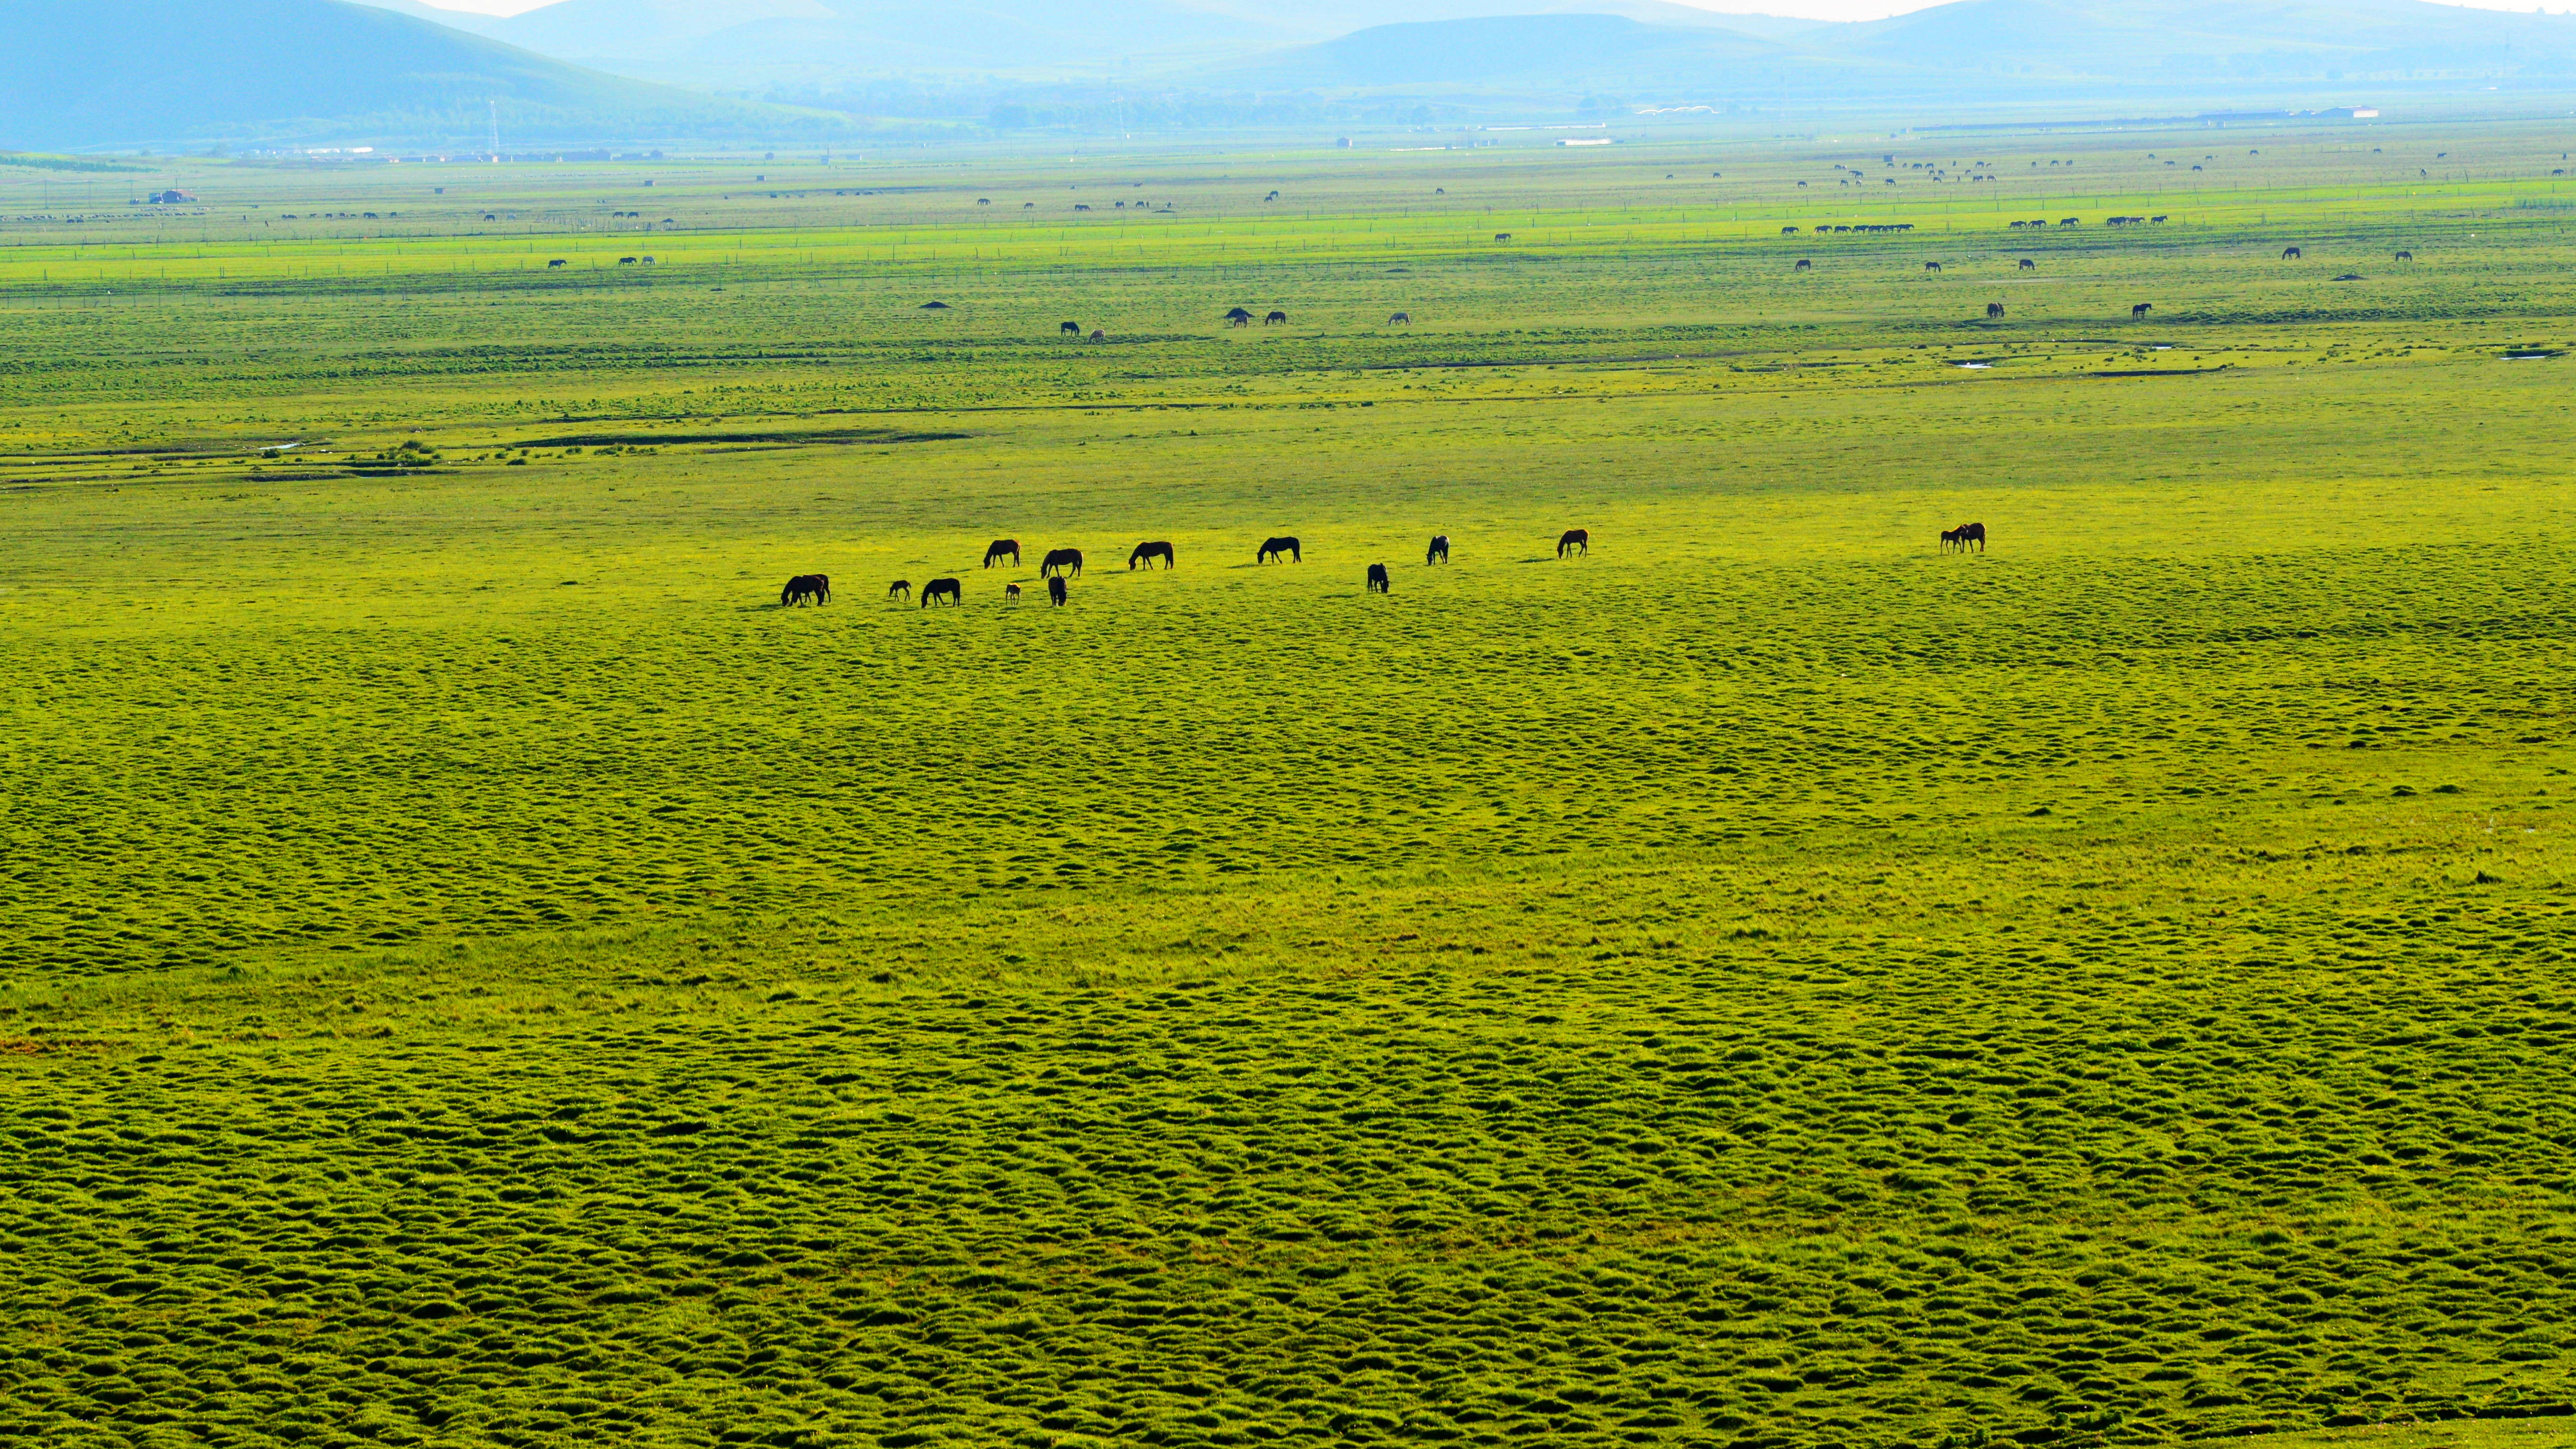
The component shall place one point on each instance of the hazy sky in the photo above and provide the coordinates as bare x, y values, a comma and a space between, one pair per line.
1815, 9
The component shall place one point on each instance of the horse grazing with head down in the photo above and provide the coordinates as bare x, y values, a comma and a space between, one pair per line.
999, 547
1146, 553
1273, 547
900, 588
1573, 540
1061, 558
1378, 582
1055, 591
1010, 593
938, 589
1438, 553
804, 587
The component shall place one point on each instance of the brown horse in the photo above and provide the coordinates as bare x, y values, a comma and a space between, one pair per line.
1949, 538
1439, 550
1273, 547
1061, 558
1146, 553
900, 588
1573, 539
999, 547
1056, 590
1011, 594
1378, 582
804, 587
938, 589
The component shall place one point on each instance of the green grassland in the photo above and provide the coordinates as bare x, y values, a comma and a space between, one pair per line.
481, 972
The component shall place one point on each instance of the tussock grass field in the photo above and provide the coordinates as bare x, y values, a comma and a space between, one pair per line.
479, 971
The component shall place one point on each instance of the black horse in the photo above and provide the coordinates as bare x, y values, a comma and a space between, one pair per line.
1439, 551
1378, 582
1070, 329
1061, 558
1055, 591
999, 547
900, 588
1146, 553
1011, 593
937, 589
1972, 533
803, 587
1273, 547
1573, 539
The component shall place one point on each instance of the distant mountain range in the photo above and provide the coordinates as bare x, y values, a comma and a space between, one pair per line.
2003, 50
749, 43
92, 74
2008, 48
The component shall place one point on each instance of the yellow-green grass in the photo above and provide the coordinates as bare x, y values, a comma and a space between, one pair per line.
482, 972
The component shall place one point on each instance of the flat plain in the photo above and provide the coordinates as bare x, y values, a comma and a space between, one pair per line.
480, 971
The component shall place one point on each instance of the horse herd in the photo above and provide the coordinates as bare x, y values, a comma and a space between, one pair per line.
1061, 563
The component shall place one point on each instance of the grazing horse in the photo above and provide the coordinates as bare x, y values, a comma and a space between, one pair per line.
1273, 547
1405, 318
938, 589
1963, 535
1803, 265
1274, 317
1238, 318
1931, 266
1572, 539
1099, 335
999, 547
1011, 594
1061, 558
1439, 550
900, 587
1994, 309
1146, 553
2028, 265
1055, 591
2405, 256
1378, 582
1069, 329
2290, 254
803, 587
2138, 313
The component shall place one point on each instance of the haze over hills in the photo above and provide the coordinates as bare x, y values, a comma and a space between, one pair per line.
91, 74
1975, 50
1518, 51
753, 43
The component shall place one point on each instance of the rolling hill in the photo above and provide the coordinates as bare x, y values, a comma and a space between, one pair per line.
1522, 51
93, 74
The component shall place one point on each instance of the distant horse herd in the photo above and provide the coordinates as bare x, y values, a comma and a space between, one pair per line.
1061, 562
